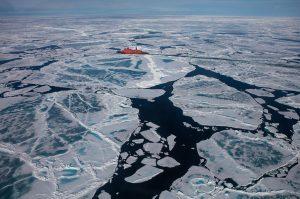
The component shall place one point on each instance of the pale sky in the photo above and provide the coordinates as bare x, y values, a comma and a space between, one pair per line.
152, 7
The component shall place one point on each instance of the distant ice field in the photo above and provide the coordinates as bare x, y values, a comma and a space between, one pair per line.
211, 112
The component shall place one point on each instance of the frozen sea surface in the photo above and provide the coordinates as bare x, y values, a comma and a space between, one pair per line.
211, 112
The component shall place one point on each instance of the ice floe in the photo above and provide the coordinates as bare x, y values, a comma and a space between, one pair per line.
289, 182
155, 72
140, 93
65, 110
296, 135
260, 93
211, 102
289, 114
131, 159
171, 141
150, 135
242, 157
167, 162
198, 182
293, 101
153, 148
149, 161
58, 136
144, 174
228, 193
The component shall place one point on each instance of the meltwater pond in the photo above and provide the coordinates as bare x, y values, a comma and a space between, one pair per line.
211, 112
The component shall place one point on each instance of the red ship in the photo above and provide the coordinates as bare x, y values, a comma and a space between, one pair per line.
132, 51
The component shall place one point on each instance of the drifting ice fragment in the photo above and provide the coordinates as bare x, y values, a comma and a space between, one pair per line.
260, 92
151, 135
153, 148
293, 101
296, 136
144, 174
131, 159
198, 182
211, 102
167, 162
242, 157
171, 141
104, 195
140, 93
138, 141
149, 161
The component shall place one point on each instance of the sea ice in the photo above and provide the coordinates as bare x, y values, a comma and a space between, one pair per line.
210, 102
144, 174
140, 152
171, 71
138, 141
104, 195
150, 135
229, 193
296, 135
140, 93
58, 136
289, 114
42, 89
131, 159
198, 182
153, 148
290, 182
171, 141
65, 110
167, 195
293, 101
19, 91
167, 162
242, 157
149, 161
260, 93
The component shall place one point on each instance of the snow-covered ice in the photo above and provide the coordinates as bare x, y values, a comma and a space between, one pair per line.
143, 174
153, 148
68, 121
211, 102
150, 135
242, 157
293, 101
167, 162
